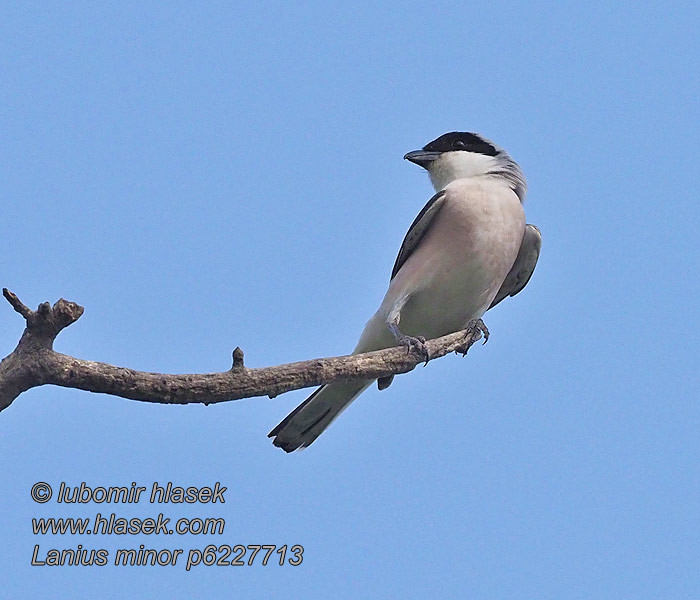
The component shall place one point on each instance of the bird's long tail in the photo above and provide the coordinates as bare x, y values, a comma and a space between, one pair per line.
308, 420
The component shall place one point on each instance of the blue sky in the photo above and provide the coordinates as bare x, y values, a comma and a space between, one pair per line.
220, 175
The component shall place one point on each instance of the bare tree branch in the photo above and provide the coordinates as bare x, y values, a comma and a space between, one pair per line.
34, 362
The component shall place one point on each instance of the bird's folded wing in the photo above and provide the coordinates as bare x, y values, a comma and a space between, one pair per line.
418, 229
524, 265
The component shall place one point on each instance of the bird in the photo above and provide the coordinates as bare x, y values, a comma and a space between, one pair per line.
468, 249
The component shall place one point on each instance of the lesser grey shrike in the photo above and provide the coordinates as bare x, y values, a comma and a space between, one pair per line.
468, 249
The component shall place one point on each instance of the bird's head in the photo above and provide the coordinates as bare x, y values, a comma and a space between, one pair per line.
462, 154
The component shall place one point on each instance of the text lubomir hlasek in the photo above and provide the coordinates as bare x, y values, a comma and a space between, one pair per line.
167, 493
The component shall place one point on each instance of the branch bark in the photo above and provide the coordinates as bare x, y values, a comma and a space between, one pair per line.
34, 362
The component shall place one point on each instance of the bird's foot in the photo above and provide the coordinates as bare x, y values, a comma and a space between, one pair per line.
415, 345
481, 326
476, 329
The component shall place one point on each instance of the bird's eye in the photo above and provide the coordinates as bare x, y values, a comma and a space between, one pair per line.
459, 145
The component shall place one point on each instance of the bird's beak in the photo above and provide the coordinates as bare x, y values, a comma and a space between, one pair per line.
422, 158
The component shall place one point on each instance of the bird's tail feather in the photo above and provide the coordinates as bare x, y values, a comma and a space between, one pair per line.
308, 420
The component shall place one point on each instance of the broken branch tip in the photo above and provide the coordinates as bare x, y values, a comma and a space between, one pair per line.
237, 358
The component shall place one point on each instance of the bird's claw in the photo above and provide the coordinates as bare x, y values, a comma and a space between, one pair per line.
480, 325
414, 344
476, 329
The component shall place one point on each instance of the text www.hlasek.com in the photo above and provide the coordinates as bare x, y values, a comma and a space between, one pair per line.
112, 524
109, 525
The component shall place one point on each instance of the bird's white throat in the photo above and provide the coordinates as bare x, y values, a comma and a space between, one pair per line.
457, 165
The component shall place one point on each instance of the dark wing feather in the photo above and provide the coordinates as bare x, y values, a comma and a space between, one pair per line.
417, 230
524, 265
